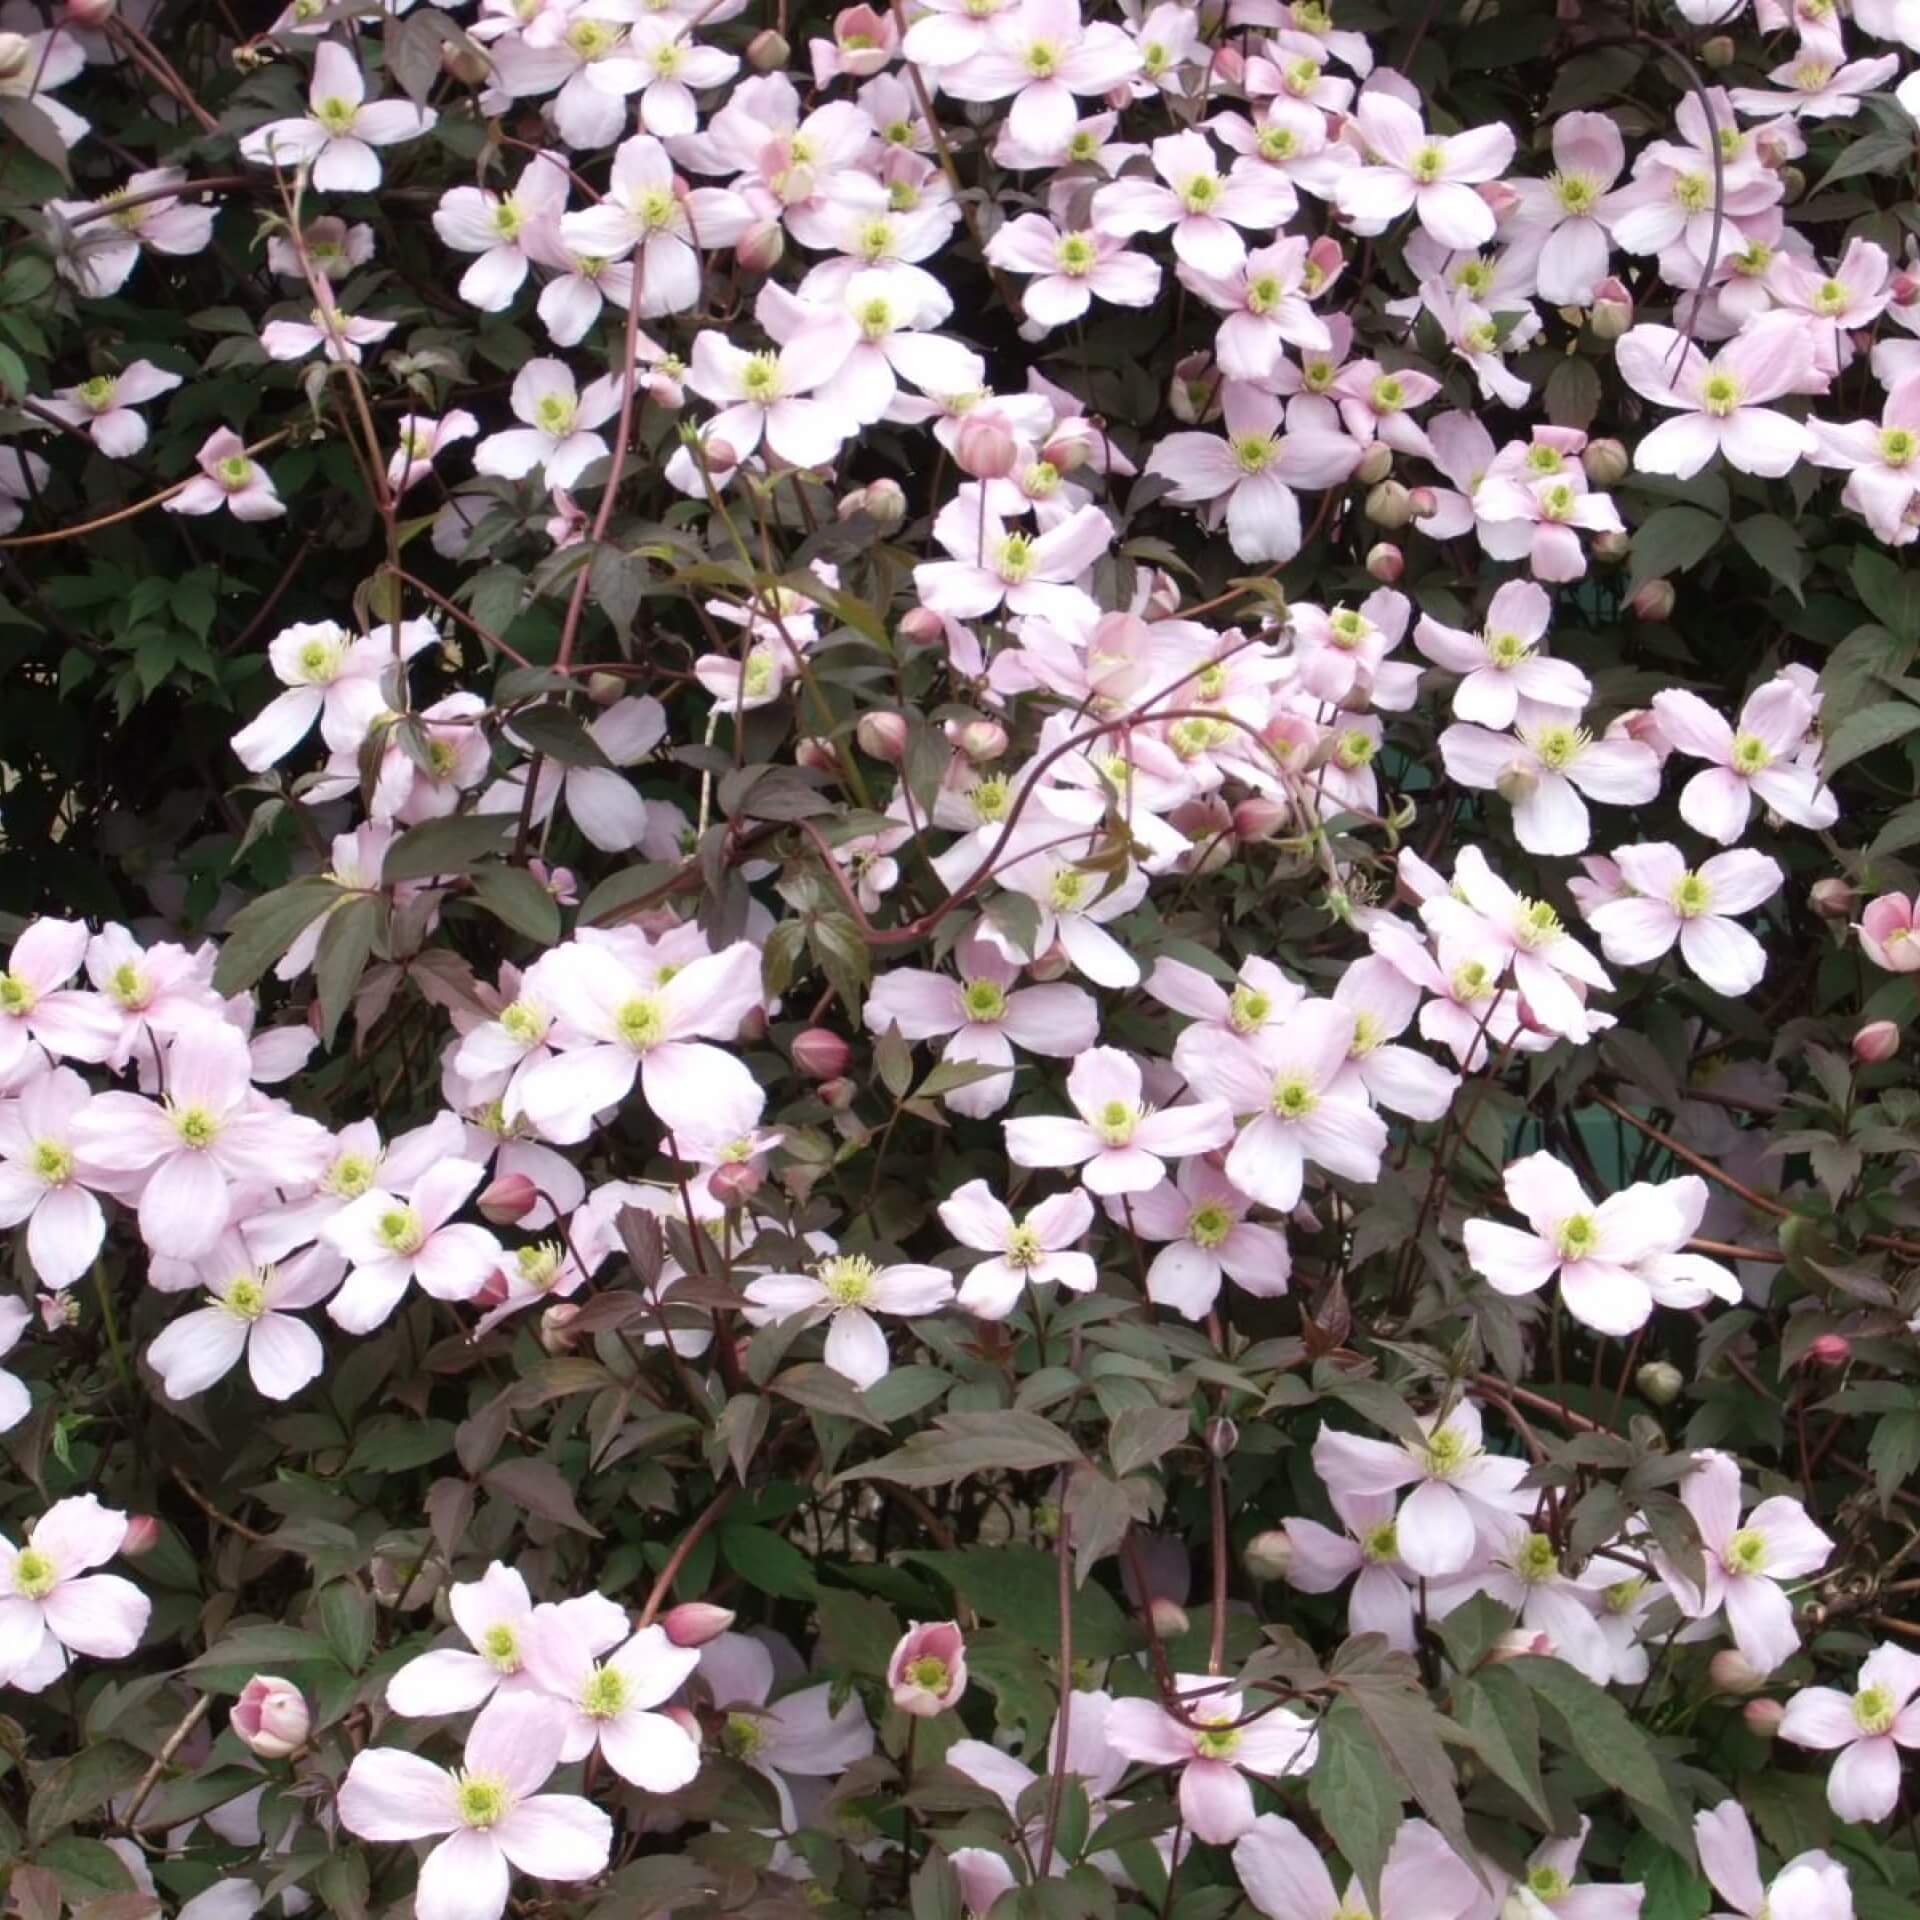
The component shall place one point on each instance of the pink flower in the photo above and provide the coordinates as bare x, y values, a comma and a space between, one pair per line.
1745, 1563
210, 1131
1557, 223
340, 336
1265, 301
98, 258
1759, 757
52, 1605
1888, 934
1547, 1889
420, 439
37, 1008
559, 436
1027, 1252
1545, 767
802, 1733
15, 1400
337, 136
1809, 1887
1883, 472
762, 396
1501, 663
846, 1290
1672, 902
1286, 1878
1201, 1216
1073, 267
502, 228
1722, 401
927, 1671
1119, 1144
271, 1717
1869, 1727
44, 1177
1321, 1560
250, 1312
328, 677
1434, 176
1205, 210
492, 1812
610, 1703
1028, 572
1042, 53
227, 478
1214, 1756
390, 1241
104, 406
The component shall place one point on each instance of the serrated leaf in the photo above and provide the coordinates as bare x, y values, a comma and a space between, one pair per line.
1140, 1435
1498, 1712
1672, 540
960, 1445
1355, 1795
542, 1489
438, 848
265, 928
513, 895
1867, 729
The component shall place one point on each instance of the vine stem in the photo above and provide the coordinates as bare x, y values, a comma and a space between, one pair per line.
138, 507
1057, 1760
173, 1743
677, 1559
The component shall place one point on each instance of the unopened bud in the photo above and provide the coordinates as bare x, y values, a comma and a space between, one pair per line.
735, 1182
768, 52
1258, 817
721, 456
271, 1717
1905, 289
1389, 504
1326, 262
1718, 51
1730, 1671
1793, 184
556, 1328
920, 627
1195, 388
813, 752
1831, 899
981, 741
1422, 502
883, 735
466, 65
1829, 1350
1763, 1717
1385, 562
1610, 548
603, 689
508, 1199
886, 503
820, 1053
665, 392
1229, 68
985, 447
1520, 1643
1878, 1040
1375, 464
1654, 601
1606, 463
1269, 1555
761, 248
1517, 781
838, 1094
1660, 1383
141, 1537
1070, 448
1170, 1620
694, 1622
1222, 1437
15, 52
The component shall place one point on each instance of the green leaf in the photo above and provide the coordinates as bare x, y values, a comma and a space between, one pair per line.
960, 1445
1866, 730
541, 1488
346, 1618
513, 895
394, 1445
440, 847
1894, 1454
1353, 1791
1672, 540
1018, 1588
1773, 546
825, 1391
1572, 395
76, 1787
559, 734
768, 1563
265, 928
1890, 593
1140, 1435
346, 944
936, 1889
253, 1648
1471, 1630
1498, 1712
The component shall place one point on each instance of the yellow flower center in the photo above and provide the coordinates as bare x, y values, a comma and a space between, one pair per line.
1576, 192
1719, 395
1076, 255
1691, 896
848, 1279
641, 1023
1873, 1710
985, 1001
1208, 1225
52, 1163
1751, 754
197, 1128
603, 1696
1427, 164
500, 1648
34, 1574
246, 1297
481, 1799
336, 115
1293, 1098
929, 1671
1536, 1561
1115, 1122
1746, 1552
401, 1231
1577, 1236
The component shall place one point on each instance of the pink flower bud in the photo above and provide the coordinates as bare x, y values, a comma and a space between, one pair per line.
1831, 899
811, 751
839, 1094
1763, 1717
665, 391
1829, 1350
508, 1199
1878, 1040
1375, 464
985, 447
1229, 68
89, 13
735, 1182
1052, 965
1730, 1671
1611, 313
1070, 447
556, 1324
761, 247
980, 740
864, 40
694, 1622
921, 627
1326, 262
1389, 505
1422, 502
1654, 601
928, 1670
1606, 462
768, 52
1499, 196
1906, 289
1195, 388
1385, 562
1269, 1555
1520, 1643
851, 505
15, 52
271, 1717
1260, 817
1222, 1437
883, 735
886, 503
467, 65
1610, 548
1169, 1618
721, 456
141, 1537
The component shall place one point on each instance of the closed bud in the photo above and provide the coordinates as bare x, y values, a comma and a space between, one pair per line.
886, 503
1517, 781
1422, 502
1260, 817
1829, 1350
1222, 1437
1654, 601
1520, 1643
89, 13
813, 752
1606, 463
1229, 68
1269, 1555
1375, 464
141, 1537
1608, 318
1717, 52
820, 1053
694, 1622
735, 1182
1730, 1671
271, 1717
466, 65
1878, 1040
1385, 562
1170, 1620
1610, 548
15, 52
1831, 899
1195, 388
883, 735
508, 1199
1905, 289
1793, 184
665, 392
1499, 196
603, 689
1660, 1383
761, 248
838, 1094
1763, 1717
1070, 448
1389, 505
768, 52
850, 506
1326, 261
721, 456
985, 447
920, 627
556, 1328
982, 741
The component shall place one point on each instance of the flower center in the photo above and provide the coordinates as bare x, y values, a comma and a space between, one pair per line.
52, 1163
990, 797
1546, 1883
319, 661
1253, 452
666, 60
1691, 896
1537, 925
1692, 192
1024, 1249
1067, 890
1506, 651
1043, 59
1622, 1596
1577, 1236
336, 115
1542, 458
985, 1002
197, 1128
1576, 192
508, 220
539, 1264
401, 1231
96, 395
1076, 255
1317, 375
1293, 1097
641, 1023
1083, 146
1041, 481
1248, 1010
1115, 1122
500, 1648
17, 996
876, 319
1873, 1710
929, 1671
1216, 1743
234, 472
246, 1297
760, 378
1559, 747
604, 1695
481, 1799
656, 208
1014, 558
1472, 980
1382, 1542
1368, 1034
34, 1574
553, 413
1896, 446
1264, 293
1201, 194
1276, 143
1353, 750
1446, 1452
1751, 754
1301, 77
848, 1279
1719, 395
350, 1176
1536, 1561
1209, 1224
743, 1736
524, 1023
591, 39
1427, 164
1746, 1551
1811, 75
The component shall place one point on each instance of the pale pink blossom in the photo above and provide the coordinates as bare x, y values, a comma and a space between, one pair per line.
847, 1290
251, 1312
1758, 758
390, 1241
610, 1703
805, 1732
1030, 1251
1557, 222
420, 439
1889, 933
560, 434
38, 1008
764, 396
45, 1177
339, 336
1287, 1879
1811, 1886
229, 478
1043, 54
1721, 402
1367, 1552
337, 136
53, 1604
1881, 461
1200, 1215
104, 406
328, 677
16, 1402
1026, 572
1502, 665
1545, 767
1072, 268
99, 255
1671, 903
1867, 1728
1205, 209
927, 1670
1431, 174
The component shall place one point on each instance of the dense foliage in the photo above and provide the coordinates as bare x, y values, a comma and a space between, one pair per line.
959, 959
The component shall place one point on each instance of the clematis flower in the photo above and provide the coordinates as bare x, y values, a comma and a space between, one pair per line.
1889, 933
1545, 766
1745, 1563
559, 436
501, 228
846, 1290
38, 1008
390, 1241
1672, 902
1286, 1878
328, 677
420, 439
610, 1703
763, 396
1118, 1143
1557, 222
1811, 1886
1880, 461
492, 1812
337, 136
1546, 1891
803, 1733
1214, 1756
1201, 1216
45, 1177
493, 1613
1759, 757
927, 1671
1027, 572
1367, 1552
1205, 209
1072, 269
250, 1311
104, 406
602, 801
1501, 664
97, 256
1043, 54
339, 336
1868, 1728
230, 478
1433, 175
1027, 1252
1721, 402
51, 1602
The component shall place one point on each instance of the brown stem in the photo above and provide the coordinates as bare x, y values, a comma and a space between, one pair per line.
678, 1557
128, 513
1057, 1760
174, 1742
